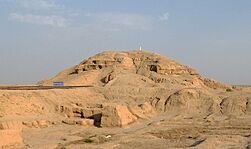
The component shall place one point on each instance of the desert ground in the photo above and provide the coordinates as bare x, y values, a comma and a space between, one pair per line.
126, 100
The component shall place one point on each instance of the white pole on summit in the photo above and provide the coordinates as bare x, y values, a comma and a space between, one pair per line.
140, 48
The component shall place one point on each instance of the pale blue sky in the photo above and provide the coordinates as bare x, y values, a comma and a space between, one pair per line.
39, 38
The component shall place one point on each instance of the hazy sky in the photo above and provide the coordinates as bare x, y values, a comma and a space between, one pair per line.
39, 38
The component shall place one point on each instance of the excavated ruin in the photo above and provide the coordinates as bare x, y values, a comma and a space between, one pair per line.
128, 80
124, 88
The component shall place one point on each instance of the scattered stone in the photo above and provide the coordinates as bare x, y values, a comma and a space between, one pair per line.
43, 123
37, 123
86, 122
69, 121
108, 136
82, 122
117, 116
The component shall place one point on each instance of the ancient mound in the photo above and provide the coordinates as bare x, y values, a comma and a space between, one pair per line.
136, 78
130, 67
126, 89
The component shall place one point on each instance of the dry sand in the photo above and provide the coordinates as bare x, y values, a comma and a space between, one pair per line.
135, 99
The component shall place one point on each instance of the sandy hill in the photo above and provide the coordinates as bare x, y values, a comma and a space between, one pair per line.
100, 69
146, 93
137, 77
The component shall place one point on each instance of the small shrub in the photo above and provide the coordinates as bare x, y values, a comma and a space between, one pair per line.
88, 140
229, 90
